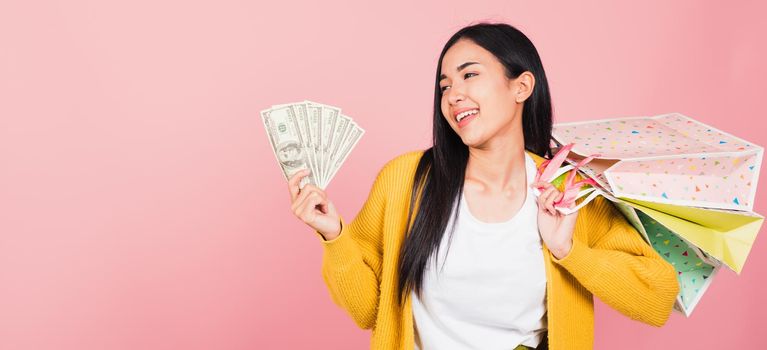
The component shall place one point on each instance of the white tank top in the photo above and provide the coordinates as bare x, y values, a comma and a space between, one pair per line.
488, 289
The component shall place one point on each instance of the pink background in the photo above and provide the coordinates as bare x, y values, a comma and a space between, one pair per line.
142, 208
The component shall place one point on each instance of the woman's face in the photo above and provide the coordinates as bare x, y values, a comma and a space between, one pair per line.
476, 91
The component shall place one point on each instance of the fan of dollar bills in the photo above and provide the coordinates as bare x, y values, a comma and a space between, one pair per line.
310, 135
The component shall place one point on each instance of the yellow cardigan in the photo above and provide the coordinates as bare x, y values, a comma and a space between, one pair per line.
608, 258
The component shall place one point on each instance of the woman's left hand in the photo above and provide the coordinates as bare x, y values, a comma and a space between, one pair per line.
556, 229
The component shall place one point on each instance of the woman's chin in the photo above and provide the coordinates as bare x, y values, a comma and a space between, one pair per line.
473, 141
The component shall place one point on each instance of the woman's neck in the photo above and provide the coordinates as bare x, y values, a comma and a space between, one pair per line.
500, 164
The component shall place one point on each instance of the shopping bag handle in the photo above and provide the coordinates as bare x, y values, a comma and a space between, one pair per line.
548, 169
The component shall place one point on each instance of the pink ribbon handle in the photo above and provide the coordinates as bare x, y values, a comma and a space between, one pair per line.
548, 168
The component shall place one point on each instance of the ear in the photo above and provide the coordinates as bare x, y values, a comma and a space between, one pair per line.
523, 86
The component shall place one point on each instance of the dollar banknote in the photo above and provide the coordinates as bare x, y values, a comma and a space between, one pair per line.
310, 135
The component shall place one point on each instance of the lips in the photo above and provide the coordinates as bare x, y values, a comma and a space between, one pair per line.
467, 120
461, 110
465, 115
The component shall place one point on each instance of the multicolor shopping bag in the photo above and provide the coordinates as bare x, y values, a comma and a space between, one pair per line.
726, 235
695, 269
686, 187
694, 273
670, 159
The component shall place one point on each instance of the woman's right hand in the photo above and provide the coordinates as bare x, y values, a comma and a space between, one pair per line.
312, 206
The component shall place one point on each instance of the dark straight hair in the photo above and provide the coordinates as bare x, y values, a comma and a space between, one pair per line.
440, 173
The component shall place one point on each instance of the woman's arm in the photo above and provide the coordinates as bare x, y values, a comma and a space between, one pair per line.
619, 267
351, 263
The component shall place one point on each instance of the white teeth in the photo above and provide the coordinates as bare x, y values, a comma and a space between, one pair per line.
462, 115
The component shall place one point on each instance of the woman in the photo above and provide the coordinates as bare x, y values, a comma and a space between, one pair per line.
452, 250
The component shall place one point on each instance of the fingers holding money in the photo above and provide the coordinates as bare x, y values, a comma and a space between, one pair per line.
294, 182
312, 206
309, 194
310, 142
312, 202
305, 200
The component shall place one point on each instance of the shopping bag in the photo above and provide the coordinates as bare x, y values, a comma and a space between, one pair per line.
669, 159
695, 269
694, 240
727, 235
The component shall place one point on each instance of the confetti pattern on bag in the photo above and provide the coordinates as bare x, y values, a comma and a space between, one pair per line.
664, 135
670, 159
694, 274
710, 181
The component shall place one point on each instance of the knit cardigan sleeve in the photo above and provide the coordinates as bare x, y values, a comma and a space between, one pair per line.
615, 264
351, 262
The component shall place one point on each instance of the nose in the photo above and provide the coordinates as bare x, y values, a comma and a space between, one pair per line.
455, 94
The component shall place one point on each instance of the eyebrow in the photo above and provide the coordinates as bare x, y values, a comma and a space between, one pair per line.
459, 68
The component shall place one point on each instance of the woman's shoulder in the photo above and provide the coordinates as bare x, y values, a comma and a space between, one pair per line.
397, 171
403, 162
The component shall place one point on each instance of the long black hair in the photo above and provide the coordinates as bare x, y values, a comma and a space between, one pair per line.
440, 173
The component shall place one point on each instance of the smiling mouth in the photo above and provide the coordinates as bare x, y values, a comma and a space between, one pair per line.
466, 114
